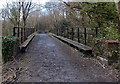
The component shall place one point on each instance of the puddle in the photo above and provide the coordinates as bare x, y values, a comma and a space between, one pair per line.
40, 43
51, 45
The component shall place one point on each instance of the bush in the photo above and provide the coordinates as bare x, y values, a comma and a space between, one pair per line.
8, 43
109, 33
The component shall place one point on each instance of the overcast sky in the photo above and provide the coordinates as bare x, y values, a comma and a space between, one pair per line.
3, 2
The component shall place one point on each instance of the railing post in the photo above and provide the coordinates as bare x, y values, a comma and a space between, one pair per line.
72, 34
14, 31
57, 31
85, 36
60, 31
78, 35
65, 32
33, 30
68, 33
24, 34
96, 30
20, 35
18, 31
54, 31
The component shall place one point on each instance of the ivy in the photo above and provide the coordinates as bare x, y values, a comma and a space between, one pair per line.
8, 43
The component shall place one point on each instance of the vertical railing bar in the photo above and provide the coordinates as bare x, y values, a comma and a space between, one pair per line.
13, 31
85, 36
78, 35
72, 36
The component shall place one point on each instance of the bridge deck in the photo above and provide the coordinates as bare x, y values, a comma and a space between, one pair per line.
49, 60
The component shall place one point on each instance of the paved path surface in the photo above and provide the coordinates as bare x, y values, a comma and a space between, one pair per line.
49, 60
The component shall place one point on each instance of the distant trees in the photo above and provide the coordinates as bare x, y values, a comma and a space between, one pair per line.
4, 16
16, 14
55, 11
52, 13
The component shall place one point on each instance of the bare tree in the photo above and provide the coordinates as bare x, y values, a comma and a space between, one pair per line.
11, 13
14, 10
4, 16
26, 7
55, 11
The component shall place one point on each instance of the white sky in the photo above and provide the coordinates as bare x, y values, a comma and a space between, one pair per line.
3, 2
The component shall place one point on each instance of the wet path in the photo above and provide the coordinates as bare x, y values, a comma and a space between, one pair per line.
49, 60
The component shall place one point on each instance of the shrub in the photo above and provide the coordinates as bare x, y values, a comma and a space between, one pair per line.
8, 43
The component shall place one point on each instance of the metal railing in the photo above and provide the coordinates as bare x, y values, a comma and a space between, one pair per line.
22, 33
77, 34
